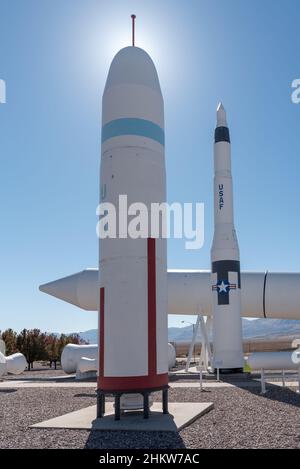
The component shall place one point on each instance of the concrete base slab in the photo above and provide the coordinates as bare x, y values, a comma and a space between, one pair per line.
191, 371
181, 415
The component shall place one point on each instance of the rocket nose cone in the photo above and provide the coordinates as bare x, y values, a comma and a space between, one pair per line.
221, 116
64, 289
133, 65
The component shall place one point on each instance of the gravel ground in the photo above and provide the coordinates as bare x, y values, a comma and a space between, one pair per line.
241, 419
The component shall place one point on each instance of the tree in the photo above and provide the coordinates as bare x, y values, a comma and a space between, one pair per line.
55, 345
32, 344
52, 349
36, 345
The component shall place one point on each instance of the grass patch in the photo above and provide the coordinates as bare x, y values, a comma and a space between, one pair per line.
247, 368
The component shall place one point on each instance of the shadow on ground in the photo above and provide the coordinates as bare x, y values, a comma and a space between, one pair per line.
278, 393
133, 440
7, 391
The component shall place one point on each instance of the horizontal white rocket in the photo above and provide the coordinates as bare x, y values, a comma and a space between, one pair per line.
264, 294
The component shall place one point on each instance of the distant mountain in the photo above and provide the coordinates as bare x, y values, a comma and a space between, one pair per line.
264, 328
270, 328
90, 336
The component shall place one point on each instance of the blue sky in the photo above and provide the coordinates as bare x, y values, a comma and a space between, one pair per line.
54, 57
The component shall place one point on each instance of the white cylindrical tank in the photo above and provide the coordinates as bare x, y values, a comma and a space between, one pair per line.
16, 363
86, 365
274, 360
2, 365
171, 356
72, 353
84, 358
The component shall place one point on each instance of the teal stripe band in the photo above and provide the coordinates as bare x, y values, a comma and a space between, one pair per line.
133, 126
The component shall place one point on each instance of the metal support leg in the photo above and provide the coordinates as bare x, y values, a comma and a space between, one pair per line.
263, 382
192, 345
103, 405
165, 401
283, 379
100, 404
146, 405
201, 380
117, 407
207, 332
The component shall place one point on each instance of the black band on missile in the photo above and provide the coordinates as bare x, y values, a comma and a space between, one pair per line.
222, 268
264, 294
222, 134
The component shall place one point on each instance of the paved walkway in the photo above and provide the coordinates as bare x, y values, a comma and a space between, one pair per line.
11, 384
242, 384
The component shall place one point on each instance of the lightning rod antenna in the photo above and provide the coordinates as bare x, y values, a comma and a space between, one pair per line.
133, 17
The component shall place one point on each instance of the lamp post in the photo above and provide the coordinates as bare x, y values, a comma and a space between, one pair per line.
192, 324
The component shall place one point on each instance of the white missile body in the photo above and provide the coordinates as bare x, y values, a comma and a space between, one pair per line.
72, 353
274, 360
264, 295
225, 259
133, 281
3, 367
84, 358
14, 364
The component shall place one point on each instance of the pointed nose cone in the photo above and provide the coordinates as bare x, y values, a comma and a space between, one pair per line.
132, 99
132, 66
80, 289
64, 288
221, 116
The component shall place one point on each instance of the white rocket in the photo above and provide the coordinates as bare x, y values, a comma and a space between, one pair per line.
133, 281
271, 295
225, 260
